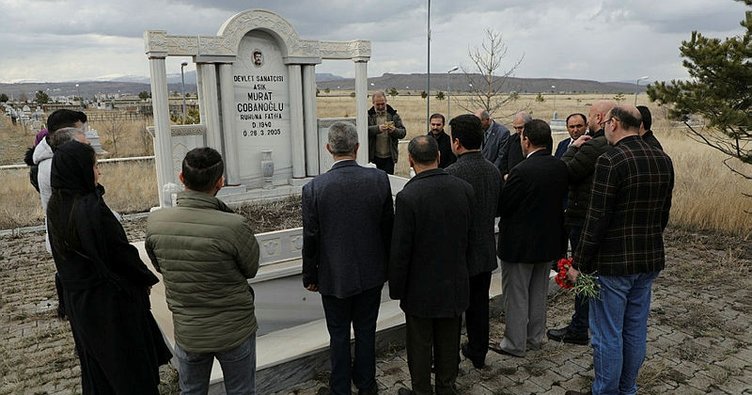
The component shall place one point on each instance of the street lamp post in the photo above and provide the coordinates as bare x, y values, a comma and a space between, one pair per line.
637, 88
428, 69
182, 85
80, 99
449, 99
553, 93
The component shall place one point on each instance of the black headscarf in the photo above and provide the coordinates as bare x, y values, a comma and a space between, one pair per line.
73, 168
88, 243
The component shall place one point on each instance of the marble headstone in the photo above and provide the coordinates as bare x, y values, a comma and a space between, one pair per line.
262, 117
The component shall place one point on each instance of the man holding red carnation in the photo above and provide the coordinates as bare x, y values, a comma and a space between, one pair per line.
622, 244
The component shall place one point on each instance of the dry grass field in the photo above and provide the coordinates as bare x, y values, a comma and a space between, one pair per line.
707, 196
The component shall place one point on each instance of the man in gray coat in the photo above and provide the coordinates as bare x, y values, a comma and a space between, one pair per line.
347, 227
486, 182
495, 136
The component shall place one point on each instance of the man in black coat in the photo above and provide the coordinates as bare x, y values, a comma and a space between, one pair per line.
580, 159
347, 225
531, 237
645, 132
576, 126
446, 156
486, 181
428, 266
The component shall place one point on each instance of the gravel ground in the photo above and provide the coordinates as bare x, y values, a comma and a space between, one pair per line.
698, 340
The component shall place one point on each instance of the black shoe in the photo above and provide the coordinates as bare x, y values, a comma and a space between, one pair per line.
61, 312
405, 391
567, 336
371, 391
323, 391
570, 392
479, 363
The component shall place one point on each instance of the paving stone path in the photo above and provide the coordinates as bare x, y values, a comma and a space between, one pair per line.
698, 336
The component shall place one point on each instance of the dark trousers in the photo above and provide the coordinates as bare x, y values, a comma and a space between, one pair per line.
476, 316
386, 164
581, 314
434, 340
60, 299
361, 311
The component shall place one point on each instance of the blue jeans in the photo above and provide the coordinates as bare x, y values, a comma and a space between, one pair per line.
238, 368
619, 325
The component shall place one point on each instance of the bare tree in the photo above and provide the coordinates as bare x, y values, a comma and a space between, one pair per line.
147, 141
113, 128
485, 77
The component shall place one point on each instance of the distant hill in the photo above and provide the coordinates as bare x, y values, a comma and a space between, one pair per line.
416, 82
124, 85
458, 83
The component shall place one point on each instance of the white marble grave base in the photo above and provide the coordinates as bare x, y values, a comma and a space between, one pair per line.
292, 355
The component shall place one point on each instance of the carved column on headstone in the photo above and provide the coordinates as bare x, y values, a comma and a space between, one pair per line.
200, 93
311, 130
211, 107
297, 138
229, 134
361, 106
162, 135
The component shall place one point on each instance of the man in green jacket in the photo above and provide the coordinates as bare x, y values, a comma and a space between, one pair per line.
206, 255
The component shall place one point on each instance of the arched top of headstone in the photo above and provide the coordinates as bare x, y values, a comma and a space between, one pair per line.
235, 28
224, 46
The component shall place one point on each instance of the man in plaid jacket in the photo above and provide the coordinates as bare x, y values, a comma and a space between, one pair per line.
622, 244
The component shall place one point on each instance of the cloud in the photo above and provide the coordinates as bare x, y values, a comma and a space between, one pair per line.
591, 39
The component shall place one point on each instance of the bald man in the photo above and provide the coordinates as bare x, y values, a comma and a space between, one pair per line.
580, 159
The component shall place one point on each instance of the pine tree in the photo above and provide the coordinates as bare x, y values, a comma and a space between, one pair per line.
719, 92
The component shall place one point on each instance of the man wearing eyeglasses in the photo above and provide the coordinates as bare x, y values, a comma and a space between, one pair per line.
622, 242
576, 126
580, 158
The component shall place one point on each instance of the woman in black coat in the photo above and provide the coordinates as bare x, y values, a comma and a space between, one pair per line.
106, 285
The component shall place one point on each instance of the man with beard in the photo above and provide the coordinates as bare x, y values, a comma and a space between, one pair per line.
446, 156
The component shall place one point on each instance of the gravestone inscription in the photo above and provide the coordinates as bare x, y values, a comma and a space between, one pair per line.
262, 117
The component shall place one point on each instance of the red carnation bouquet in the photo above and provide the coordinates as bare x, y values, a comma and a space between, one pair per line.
585, 284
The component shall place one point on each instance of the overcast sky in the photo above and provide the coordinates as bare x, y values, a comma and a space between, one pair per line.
604, 40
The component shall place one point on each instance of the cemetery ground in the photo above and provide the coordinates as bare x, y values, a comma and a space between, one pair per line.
698, 336
698, 340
